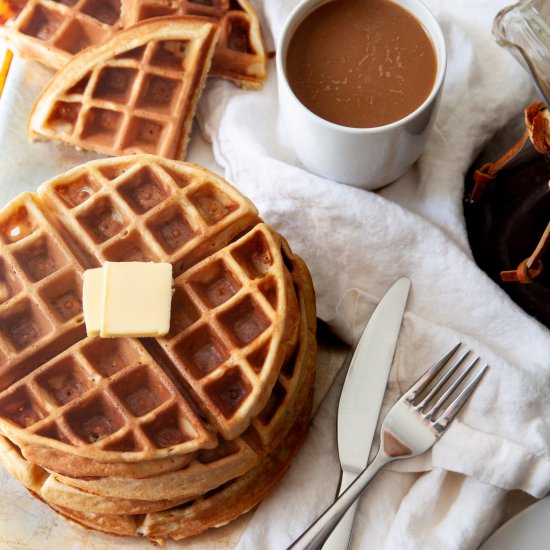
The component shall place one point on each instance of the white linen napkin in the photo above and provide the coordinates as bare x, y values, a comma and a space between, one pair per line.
356, 243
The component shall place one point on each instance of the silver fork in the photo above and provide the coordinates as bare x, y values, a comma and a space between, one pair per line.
410, 428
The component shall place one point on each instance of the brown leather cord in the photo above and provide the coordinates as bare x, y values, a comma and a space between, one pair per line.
530, 268
488, 171
537, 122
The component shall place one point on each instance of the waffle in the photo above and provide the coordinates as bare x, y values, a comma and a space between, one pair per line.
119, 401
71, 465
273, 344
230, 459
40, 482
288, 415
40, 290
53, 31
135, 93
206, 472
240, 52
144, 208
213, 509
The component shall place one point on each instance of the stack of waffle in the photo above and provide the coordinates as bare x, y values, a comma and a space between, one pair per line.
130, 74
157, 437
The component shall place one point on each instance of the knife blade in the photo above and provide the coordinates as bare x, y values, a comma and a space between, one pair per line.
362, 395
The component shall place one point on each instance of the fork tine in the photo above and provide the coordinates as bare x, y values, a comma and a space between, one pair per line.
442, 381
439, 403
428, 376
452, 410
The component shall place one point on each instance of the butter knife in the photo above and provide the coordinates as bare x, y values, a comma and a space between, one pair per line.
362, 396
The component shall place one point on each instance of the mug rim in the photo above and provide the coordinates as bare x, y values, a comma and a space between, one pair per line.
304, 8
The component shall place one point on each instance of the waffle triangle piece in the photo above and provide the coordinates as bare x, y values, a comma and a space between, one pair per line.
52, 31
240, 52
135, 93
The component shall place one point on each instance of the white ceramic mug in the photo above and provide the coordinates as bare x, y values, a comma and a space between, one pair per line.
364, 157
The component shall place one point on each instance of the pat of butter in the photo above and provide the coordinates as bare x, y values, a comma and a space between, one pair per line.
137, 297
92, 295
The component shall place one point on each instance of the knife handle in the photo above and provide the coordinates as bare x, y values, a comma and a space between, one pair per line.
340, 538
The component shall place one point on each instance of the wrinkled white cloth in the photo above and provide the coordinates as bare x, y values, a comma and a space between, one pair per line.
356, 243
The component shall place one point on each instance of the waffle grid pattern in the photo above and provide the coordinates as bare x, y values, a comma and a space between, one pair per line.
111, 395
40, 290
217, 484
53, 31
240, 51
294, 381
229, 459
231, 307
289, 418
148, 212
136, 94
267, 432
228, 337
68, 25
224, 332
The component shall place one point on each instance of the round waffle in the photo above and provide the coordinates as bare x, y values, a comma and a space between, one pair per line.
230, 459
234, 323
287, 417
213, 509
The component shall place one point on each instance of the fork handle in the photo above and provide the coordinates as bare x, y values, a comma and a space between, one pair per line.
340, 537
314, 537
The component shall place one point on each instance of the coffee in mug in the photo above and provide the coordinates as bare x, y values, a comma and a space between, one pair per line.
359, 84
361, 63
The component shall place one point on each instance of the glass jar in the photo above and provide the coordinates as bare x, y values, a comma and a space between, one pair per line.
524, 30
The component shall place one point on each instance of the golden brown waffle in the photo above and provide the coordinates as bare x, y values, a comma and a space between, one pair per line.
206, 471
135, 93
208, 468
220, 504
231, 459
234, 319
52, 31
240, 53
213, 509
231, 500
143, 207
103, 399
61, 495
40, 482
72, 465
240, 314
